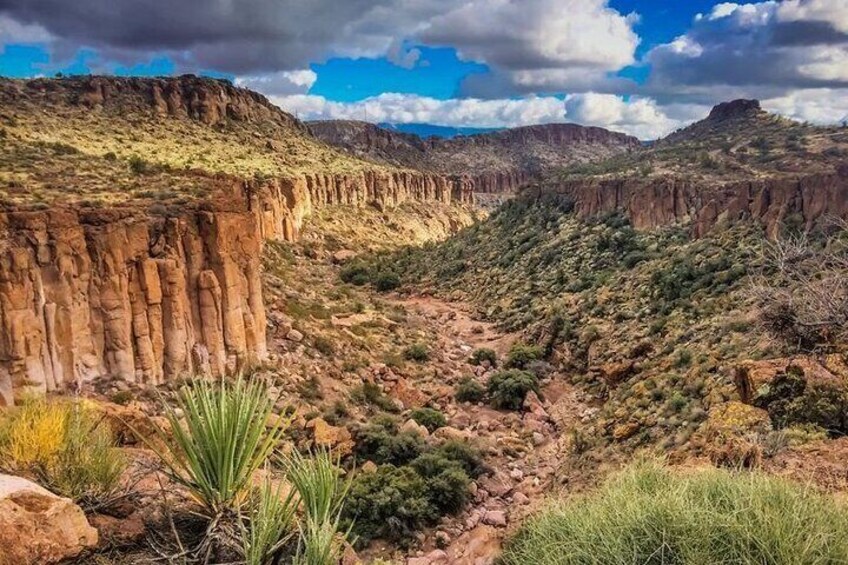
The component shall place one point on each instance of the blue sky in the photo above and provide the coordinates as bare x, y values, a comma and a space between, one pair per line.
642, 66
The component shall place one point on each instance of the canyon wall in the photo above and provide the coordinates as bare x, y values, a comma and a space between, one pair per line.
125, 294
651, 203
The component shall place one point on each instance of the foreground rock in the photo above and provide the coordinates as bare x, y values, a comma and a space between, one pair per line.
36, 526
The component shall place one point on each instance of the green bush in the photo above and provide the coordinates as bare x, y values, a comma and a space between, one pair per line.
417, 352
447, 482
139, 166
507, 389
385, 281
654, 515
521, 355
429, 418
469, 390
381, 441
355, 273
391, 503
468, 456
484, 354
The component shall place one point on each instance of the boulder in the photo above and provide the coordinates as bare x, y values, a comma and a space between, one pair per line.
336, 438
36, 526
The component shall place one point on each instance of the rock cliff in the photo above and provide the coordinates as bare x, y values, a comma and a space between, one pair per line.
498, 162
153, 281
656, 202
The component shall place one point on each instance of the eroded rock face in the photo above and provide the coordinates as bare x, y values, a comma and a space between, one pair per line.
36, 526
118, 293
659, 202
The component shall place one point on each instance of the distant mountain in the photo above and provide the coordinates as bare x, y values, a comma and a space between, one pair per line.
430, 130
498, 161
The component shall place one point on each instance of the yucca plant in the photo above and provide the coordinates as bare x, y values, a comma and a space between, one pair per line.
322, 491
217, 445
269, 522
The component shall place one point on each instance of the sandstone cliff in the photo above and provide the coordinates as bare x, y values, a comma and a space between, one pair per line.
498, 162
151, 280
656, 202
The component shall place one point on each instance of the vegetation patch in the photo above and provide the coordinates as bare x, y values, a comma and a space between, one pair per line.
652, 514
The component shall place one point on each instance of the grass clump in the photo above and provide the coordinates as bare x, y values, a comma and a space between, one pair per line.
65, 446
507, 389
650, 514
430, 418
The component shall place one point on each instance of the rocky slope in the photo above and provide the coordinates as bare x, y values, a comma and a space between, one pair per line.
739, 162
498, 162
134, 214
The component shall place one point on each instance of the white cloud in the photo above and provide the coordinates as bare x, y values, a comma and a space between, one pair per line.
834, 12
539, 45
640, 116
756, 50
280, 83
12, 31
820, 105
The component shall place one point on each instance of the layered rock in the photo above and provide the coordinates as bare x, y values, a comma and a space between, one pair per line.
651, 203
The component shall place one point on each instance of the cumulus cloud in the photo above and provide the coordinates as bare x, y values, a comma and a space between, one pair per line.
640, 117
280, 83
539, 44
761, 49
820, 106
534, 44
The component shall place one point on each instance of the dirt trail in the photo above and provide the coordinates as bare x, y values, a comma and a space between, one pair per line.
524, 449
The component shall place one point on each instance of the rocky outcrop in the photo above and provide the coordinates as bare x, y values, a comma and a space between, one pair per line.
207, 100
651, 203
36, 526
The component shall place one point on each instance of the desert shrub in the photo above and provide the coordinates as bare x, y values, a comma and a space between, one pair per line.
521, 354
371, 394
138, 166
417, 352
355, 273
469, 390
651, 514
507, 389
67, 447
465, 454
447, 482
430, 418
390, 503
381, 441
791, 400
385, 281
484, 354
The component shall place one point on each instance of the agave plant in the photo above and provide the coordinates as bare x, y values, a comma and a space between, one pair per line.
219, 438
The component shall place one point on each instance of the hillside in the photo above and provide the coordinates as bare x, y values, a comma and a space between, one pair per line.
499, 161
736, 140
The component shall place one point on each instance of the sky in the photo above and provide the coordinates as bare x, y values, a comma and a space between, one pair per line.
645, 67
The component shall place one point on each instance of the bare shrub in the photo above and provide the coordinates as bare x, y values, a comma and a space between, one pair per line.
802, 290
